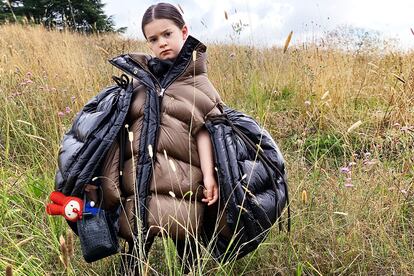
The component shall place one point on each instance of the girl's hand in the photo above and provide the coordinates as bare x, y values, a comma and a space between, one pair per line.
211, 190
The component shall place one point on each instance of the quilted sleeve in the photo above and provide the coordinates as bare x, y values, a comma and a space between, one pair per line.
206, 104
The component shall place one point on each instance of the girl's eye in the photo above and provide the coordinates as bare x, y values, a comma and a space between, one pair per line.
167, 34
152, 40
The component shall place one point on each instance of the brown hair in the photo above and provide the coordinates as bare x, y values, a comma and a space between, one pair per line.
162, 11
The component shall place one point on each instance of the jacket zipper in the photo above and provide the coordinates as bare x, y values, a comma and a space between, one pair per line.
179, 75
161, 96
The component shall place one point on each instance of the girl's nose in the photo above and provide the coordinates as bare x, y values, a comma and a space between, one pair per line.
162, 42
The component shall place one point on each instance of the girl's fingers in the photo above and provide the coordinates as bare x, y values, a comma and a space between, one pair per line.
215, 196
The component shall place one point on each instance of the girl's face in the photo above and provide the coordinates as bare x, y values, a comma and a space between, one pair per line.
164, 38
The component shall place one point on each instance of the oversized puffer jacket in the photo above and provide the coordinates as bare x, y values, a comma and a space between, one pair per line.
169, 199
252, 180
250, 167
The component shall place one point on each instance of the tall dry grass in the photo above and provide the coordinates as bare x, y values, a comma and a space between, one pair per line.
351, 188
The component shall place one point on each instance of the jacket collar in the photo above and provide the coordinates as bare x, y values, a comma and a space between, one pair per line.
183, 64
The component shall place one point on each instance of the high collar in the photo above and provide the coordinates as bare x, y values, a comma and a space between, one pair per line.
184, 63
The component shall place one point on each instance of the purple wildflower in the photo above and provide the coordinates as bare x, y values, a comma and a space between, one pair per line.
67, 109
61, 114
345, 170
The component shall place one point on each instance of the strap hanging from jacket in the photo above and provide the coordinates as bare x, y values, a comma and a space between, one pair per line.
122, 81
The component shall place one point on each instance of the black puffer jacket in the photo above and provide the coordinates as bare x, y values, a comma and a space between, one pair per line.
252, 180
92, 133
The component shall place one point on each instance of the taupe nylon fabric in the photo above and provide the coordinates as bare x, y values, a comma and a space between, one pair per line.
176, 188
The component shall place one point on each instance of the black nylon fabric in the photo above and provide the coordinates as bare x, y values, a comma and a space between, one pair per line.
94, 130
149, 133
252, 180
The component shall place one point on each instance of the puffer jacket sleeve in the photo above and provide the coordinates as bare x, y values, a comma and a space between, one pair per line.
205, 108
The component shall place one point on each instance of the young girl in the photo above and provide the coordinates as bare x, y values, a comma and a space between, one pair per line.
183, 181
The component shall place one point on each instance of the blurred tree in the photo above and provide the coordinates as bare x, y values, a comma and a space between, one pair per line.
359, 40
79, 15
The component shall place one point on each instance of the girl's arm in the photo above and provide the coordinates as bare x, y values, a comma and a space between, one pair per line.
205, 152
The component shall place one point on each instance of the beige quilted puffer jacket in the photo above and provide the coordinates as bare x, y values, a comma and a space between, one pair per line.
174, 203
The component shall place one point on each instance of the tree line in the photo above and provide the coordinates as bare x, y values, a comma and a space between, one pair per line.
85, 16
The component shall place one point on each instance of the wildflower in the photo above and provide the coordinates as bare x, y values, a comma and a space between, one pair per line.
349, 185
345, 170
29, 81
67, 109
351, 164
407, 128
404, 191
232, 55
308, 103
73, 99
29, 74
61, 114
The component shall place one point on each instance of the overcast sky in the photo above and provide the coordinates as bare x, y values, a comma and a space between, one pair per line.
270, 21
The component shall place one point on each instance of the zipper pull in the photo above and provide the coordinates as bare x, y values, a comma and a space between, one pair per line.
162, 92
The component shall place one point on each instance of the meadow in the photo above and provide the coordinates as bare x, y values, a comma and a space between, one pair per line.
344, 121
